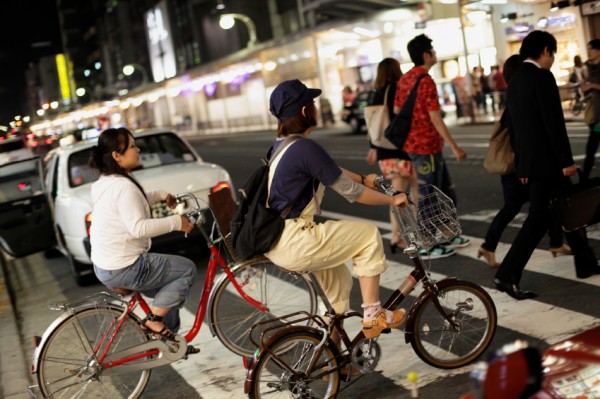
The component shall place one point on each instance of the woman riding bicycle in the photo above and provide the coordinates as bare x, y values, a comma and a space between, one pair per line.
297, 178
121, 231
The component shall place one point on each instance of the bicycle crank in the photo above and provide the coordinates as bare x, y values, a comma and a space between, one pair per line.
365, 355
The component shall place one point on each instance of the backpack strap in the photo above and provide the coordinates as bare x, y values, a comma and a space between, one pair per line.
286, 141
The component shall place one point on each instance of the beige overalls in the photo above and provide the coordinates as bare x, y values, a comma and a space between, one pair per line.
323, 248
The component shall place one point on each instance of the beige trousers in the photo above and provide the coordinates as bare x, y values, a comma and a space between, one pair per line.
323, 248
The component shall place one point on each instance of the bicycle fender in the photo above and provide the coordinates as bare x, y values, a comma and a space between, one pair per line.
261, 351
65, 315
409, 326
211, 297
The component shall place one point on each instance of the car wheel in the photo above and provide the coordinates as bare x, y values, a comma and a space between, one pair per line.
82, 272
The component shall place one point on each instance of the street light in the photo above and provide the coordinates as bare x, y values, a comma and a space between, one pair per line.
226, 21
129, 69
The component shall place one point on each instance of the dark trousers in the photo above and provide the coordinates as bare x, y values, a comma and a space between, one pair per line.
515, 196
537, 223
590, 152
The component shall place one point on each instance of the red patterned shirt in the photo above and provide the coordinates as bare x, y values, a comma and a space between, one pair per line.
423, 138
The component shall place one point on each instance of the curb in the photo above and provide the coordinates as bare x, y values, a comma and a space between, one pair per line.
14, 373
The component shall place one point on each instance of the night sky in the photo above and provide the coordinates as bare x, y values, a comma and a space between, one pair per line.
29, 30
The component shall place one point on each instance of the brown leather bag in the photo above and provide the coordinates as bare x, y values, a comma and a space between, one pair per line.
500, 157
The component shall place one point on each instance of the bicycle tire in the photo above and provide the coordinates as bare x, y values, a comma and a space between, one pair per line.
271, 380
67, 369
232, 317
433, 339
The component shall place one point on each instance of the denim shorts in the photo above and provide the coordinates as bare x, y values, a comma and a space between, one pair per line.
166, 278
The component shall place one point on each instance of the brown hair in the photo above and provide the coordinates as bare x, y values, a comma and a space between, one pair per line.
388, 71
101, 158
511, 66
299, 123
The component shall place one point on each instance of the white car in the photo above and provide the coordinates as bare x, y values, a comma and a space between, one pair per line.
168, 163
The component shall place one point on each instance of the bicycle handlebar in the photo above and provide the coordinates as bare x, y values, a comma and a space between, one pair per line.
387, 188
195, 215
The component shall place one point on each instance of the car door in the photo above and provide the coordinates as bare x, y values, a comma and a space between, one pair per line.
25, 217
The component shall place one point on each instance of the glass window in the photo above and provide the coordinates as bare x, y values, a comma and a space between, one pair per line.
79, 171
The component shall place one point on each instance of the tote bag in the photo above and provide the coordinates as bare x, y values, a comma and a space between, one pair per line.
500, 157
377, 119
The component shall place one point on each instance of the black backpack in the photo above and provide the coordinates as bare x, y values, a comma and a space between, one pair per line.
255, 229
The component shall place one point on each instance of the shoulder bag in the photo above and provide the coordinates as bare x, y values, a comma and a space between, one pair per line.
500, 157
377, 119
397, 130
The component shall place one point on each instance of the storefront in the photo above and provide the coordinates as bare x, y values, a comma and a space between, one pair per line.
233, 94
566, 24
349, 54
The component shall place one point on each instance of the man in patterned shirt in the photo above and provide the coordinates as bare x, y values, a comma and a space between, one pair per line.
428, 132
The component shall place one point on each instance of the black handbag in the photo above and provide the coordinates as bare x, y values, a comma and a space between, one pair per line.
397, 130
579, 207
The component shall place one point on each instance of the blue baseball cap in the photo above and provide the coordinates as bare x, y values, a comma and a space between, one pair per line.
289, 97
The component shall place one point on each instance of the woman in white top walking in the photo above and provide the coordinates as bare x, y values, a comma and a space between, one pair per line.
121, 230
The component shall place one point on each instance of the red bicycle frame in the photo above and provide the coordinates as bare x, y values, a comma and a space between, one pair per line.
216, 259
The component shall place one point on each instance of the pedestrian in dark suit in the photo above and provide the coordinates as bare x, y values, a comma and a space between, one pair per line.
543, 158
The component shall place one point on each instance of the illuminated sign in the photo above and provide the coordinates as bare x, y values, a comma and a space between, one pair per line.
160, 45
63, 77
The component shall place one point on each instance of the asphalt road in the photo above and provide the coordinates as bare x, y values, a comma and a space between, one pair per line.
566, 305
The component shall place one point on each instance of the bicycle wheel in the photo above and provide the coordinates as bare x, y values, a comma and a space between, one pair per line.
280, 292
437, 343
287, 376
68, 368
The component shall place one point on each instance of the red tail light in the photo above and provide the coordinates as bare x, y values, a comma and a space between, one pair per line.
88, 223
220, 186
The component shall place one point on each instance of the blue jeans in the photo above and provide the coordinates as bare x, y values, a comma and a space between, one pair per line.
432, 169
166, 278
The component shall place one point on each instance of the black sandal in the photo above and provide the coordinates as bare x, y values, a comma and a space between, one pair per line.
191, 351
163, 333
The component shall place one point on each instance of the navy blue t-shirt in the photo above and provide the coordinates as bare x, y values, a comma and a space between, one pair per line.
298, 173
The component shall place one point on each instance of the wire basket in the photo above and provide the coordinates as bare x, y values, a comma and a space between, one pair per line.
432, 219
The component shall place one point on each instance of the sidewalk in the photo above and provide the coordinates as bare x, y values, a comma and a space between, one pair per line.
14, 372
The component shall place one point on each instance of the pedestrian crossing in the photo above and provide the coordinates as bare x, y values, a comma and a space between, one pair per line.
540, 321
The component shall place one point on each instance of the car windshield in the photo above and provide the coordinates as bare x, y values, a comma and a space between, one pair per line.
155, 150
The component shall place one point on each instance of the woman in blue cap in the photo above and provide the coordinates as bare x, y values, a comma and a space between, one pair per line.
297, 179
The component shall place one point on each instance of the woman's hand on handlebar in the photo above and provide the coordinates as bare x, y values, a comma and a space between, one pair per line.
399, 200
186, 225
171, 201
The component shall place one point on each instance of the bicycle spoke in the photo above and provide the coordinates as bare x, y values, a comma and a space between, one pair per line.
442, 345
66, 346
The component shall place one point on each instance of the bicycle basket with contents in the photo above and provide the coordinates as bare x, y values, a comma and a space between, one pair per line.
436, 218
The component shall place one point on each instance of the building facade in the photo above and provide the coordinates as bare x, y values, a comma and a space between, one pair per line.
213, 80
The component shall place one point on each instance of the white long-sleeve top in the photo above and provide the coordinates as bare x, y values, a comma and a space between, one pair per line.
121, 222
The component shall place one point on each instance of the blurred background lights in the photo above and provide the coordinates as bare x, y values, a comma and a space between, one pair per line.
226, 22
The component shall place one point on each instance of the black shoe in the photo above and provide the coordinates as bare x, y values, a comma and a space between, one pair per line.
513, 290
588, 272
